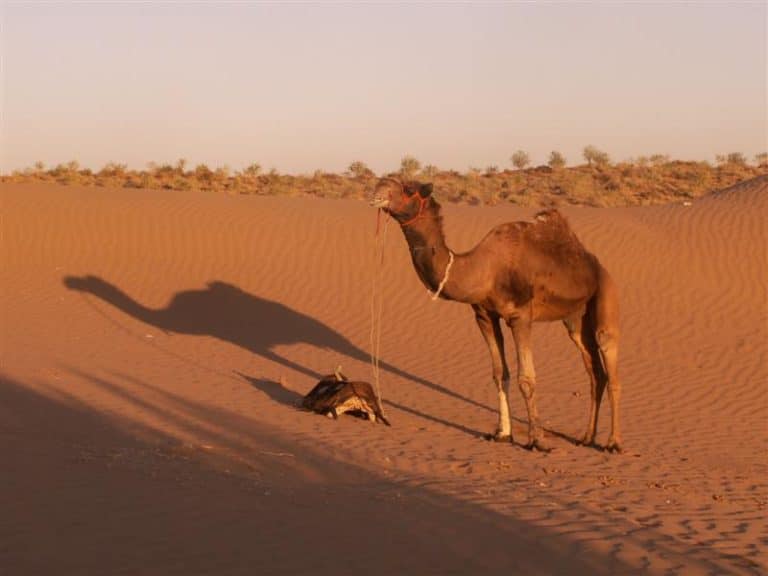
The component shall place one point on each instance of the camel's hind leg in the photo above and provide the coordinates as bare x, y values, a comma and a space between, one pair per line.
606, 314
608, 343
526, 380
582, 332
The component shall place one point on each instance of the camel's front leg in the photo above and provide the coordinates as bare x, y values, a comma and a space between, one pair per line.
526, 380
491, 330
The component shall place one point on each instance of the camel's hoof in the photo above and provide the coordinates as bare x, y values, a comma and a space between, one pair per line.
539, 445
614, 447
498, 437
586, 440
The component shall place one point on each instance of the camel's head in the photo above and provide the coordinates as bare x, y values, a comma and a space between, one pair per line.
405, 201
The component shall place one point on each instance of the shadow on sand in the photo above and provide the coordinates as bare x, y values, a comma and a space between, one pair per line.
104, 490
287, 397
282, 395
228, 313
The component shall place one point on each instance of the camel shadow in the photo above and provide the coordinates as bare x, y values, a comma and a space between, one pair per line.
226, 312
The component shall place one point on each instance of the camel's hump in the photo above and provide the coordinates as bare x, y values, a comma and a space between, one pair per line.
552, 231
551, 216
552, 223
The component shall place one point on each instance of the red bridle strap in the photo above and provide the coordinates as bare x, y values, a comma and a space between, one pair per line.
420, 214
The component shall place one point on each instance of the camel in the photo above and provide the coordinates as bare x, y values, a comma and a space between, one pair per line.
520, 272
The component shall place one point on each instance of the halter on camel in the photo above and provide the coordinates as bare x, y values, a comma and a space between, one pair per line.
423, 201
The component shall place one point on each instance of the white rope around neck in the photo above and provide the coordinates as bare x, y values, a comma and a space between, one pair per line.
436, 295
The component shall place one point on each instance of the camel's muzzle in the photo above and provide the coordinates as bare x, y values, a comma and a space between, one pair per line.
379, 202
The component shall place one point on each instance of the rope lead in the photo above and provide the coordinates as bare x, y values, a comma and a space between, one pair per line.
377, 304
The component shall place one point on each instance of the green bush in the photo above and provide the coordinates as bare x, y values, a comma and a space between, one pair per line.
520, 159
409, 166
596, 157
556, 160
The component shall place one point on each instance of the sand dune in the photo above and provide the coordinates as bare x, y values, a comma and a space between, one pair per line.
154, 346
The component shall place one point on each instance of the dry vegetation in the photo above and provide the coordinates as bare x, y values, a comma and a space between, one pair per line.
643, 181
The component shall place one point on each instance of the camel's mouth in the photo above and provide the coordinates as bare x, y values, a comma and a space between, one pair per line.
379, 202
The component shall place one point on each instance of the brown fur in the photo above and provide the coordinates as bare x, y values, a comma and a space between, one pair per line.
334, 394
521, 272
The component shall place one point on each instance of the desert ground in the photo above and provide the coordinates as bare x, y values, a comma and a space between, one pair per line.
155, 345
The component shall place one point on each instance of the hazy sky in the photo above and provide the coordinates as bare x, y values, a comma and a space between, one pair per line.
305, 86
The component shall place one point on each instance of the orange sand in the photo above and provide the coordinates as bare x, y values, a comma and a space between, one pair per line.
144, 427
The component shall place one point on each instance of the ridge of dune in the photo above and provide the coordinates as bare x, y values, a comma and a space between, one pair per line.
205, 317
752, 191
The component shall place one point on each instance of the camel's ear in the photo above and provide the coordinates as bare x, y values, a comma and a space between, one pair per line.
425, 190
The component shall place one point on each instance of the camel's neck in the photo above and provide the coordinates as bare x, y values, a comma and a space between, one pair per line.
431, 256
122, 301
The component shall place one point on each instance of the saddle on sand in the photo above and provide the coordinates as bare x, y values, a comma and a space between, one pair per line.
335, 395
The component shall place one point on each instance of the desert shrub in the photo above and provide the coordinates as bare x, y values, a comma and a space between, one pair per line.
133, 181
651, 180
222, 172
520, 159
409, 166
203, 174
626, 169
148, 180
556, 160
66, 173
733, 158
182, 183
358, 169
594, 156
474, 172
609, 181
163, 170
113, 170
430, 171
251, 171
